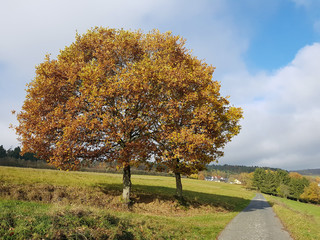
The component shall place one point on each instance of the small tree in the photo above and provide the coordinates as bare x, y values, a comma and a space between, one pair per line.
311, 193
29, 156
283, 190
282, 177
297, 186
15, 153
259, 177
3, 152
269, 184
246, 179
201, 176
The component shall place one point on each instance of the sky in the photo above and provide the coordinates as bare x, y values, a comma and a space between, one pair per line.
266, 54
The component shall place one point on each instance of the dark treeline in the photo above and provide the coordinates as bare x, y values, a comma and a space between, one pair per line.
235, 169
288, 185
12, 158
15, 153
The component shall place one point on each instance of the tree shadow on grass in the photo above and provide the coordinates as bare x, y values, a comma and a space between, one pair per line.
148, 194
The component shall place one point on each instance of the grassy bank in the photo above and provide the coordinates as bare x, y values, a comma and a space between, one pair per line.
80, 205
301, 219
28, 220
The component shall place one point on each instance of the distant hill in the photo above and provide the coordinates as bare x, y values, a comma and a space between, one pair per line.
235, 169
308, 171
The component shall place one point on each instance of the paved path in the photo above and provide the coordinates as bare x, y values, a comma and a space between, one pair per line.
255, 222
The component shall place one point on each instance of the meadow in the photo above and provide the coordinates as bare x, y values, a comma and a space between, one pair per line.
302, 220
51, 204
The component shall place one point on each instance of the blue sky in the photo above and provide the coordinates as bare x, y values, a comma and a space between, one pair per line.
266, 55
287, 29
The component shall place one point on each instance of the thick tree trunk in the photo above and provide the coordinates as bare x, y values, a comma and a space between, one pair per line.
178, 185
126, 184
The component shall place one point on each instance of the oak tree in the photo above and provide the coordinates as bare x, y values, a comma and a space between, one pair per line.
93, 103
126, 97
194, 121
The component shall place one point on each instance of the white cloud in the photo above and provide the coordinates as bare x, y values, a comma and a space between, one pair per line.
37, 27
282, 129
297, 85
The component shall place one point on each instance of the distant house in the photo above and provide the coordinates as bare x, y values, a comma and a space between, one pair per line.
216, 179
208, 178
236, 181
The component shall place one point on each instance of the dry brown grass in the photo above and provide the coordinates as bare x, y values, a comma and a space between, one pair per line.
149, 204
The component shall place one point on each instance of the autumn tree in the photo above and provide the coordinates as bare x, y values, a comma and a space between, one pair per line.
246, 179
95, 102
195, 121
311, 193
295, 175
126, 97
201, 176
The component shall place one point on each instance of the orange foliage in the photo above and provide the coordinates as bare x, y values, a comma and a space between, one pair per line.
295, 175
312, 193
196, 122
95, 102
123, 96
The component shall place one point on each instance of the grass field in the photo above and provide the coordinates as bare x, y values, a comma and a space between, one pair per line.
301, 219
48, 204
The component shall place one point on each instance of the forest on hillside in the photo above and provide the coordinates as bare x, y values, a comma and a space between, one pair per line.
13, 157
235, 169
310, 172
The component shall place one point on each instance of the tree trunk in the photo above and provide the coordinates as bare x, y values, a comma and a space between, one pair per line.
126, 184
178, 185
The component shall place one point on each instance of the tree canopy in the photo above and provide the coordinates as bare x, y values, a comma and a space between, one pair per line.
281, 183
3, 152
126, 97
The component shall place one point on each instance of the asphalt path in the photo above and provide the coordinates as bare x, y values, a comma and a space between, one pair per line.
256, 222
